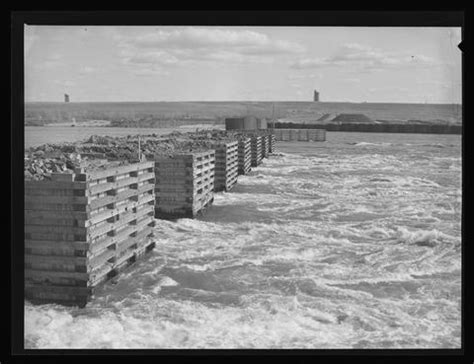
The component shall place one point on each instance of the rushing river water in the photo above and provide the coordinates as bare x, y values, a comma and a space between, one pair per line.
350, 243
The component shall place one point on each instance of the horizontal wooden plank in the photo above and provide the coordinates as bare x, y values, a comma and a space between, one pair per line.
59, 266
171, 199
35, 275
56, 248
182, 173
52, 259
133, 244
125, 218
97, 261
48, 184
79, 245
102, 274
51, 236
54, 192
176, 173
79, 215
98, 247
57, 221
45, 229
129, 229
36, 200
103, 187
122, 196
96, 218
114, 171
46, 206
79, 291
128, 257
195, 156
184, 183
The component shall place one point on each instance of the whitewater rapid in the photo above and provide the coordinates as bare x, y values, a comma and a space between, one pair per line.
350, 243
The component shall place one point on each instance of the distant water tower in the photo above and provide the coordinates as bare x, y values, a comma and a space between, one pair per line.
316, 96
66, 98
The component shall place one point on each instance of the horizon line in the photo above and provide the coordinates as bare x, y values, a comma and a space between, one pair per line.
248, 101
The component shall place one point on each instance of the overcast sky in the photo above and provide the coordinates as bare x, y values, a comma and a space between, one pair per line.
105, 63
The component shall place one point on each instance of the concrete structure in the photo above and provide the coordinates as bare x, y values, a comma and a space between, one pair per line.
82, 229
377, 128
262, 124
316, 135
245, 123
316, 96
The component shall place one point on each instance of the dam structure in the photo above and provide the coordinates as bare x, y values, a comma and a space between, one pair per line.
376, 128
270, 135
91, 206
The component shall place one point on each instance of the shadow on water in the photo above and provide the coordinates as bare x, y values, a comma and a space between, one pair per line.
232, 214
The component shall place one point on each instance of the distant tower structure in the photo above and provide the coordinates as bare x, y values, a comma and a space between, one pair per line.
316, 96
66, 98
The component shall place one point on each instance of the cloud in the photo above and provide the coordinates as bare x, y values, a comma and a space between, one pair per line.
243, 41
304, 76
48, 64
65, 83
150, 72
296, 85
52, 60
351, 80
192, 44
153, 57
395, 90
86, 70
30, 38
365, 58
54, 57
29, 41
201, 38
152, 63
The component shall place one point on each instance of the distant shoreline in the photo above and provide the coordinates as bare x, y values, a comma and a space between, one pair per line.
240, 102
379, 128
152, 114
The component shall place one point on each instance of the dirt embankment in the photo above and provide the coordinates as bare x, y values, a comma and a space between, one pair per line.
353, 118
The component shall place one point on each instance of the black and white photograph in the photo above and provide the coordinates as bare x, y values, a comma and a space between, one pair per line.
242, 187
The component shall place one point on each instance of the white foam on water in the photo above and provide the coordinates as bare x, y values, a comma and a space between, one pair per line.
367, 144
339, 248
